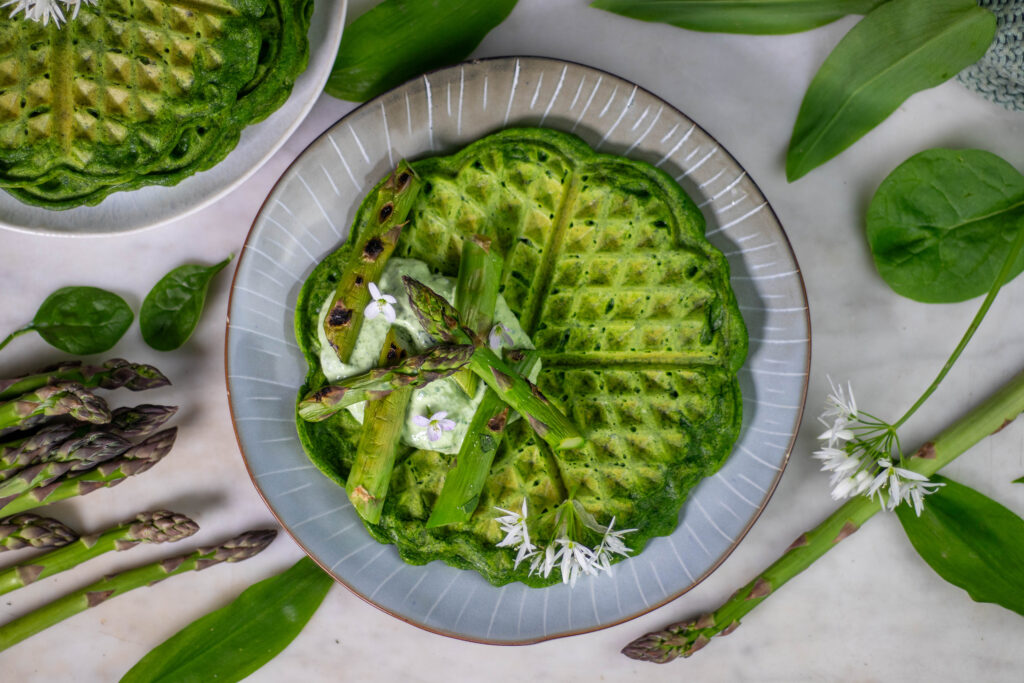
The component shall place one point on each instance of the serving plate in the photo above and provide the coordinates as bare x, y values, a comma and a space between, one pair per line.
307, 215
155, 205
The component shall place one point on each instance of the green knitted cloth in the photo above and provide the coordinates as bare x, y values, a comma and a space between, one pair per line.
999, 75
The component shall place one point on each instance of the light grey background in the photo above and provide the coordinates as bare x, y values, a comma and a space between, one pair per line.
868, 611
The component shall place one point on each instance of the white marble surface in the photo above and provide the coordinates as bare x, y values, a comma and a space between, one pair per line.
868, 611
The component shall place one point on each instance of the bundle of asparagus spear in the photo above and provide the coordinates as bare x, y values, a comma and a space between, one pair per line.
462, 351
59, 439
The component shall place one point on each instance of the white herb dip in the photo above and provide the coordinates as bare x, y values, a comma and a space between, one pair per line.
442, 394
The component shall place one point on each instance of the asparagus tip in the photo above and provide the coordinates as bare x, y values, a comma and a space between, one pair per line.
241, 547
161, 526
31, 530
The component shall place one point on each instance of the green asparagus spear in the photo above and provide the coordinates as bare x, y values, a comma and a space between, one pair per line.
33, 531
686, 637
55, 399
377, 233
113, 374
135, 460
378, 443
476, 293
235, 550
26, 450
463, 484
135, 422
129, 422
74, 455
159, 526
440, 320
413, 372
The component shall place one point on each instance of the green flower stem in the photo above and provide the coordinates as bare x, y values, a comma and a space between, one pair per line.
368, 480
1001, 278
685, 638
235, 550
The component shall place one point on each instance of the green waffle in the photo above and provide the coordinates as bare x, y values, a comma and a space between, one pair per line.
139, 92
608, 270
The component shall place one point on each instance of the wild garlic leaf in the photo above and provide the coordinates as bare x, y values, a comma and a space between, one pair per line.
172, 308
898, 49
80, 320
232, 642
971, 541
740, 16
400, 39
939, 226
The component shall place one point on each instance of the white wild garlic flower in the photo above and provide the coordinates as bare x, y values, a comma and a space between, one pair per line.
861, 452
902, 485
572, 558
380, 304
517, 534
45, 11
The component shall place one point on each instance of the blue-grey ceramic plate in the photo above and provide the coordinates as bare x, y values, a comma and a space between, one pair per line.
307, 215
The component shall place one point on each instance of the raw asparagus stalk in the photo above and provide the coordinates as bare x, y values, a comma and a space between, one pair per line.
113, 374
135, 460
159, 526
135, 422
47, 444
370, 475
476, 293
440, 320
74, 455
413, 372
686, 637
26, 450
463, 484
377, 233
235, 550
32, 531
55, 399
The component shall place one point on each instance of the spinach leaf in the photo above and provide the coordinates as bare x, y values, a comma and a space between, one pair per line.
171, 310
940, 224
899, 48
230, 643
80, 320
971, 541
739, 16
1019, 481
399, 39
